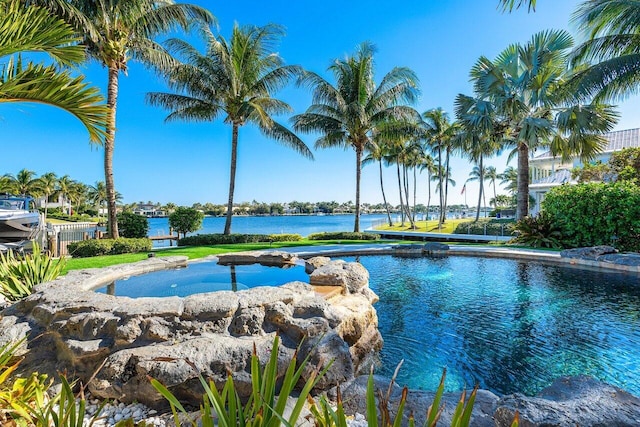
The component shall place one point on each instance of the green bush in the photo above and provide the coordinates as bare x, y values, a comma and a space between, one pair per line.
343, 235
494, 227
596, 214
20, 273
91, 248
231, 239
132, 225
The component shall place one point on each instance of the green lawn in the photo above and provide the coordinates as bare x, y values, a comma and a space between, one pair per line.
427, 226
195, 252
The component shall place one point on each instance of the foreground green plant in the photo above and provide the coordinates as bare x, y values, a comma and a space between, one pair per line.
20, 273
263, 408
540, 231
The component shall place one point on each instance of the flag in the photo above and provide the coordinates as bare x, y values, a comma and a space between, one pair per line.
464, 187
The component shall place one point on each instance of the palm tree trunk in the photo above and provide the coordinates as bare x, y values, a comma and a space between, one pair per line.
415, 186
46, 206
429, 196
109, 142
481, 189
384, 198
523, 181
400, 193
495, 196
446, 185
405, 180
356, 225
441, 187
232, 178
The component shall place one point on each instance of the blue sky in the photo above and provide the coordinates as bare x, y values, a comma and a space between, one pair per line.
186, 163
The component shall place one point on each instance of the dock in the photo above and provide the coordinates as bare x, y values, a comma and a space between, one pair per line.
169, 237
438, 237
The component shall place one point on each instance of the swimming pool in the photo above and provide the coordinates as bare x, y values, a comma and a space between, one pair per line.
205, 276
507, 325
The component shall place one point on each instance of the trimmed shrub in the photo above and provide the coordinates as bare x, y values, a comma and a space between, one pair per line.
91, 248
343, 235
596, 214
133, 226
224, 239
494, 227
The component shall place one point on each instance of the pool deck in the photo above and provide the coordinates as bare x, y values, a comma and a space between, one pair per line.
462, 250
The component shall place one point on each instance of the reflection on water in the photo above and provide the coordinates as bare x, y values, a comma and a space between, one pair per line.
204, 277
506, 325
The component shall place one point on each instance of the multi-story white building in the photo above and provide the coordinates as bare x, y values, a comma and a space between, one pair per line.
548, 171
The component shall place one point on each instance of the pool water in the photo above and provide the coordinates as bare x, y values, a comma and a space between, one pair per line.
509, 326
206, 276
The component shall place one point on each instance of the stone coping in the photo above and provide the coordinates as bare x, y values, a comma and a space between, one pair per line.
461, 250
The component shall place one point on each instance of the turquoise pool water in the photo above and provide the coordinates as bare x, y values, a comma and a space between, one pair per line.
507, 325
206, 276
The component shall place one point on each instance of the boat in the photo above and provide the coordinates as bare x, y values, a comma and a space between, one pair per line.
19, 219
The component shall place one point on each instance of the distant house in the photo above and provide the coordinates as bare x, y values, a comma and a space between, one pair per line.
150, 211
548, 171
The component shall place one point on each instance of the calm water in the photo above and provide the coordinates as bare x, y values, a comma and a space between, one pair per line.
507, 325
206, 276
303, 224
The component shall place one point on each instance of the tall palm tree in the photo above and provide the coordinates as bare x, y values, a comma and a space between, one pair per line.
612, 28
491, 175
478, 173
31, 29
376, 154
65, 187
47, 185
24, 183
349, 113
115, 31
439, 133
428, 165
525, 84
237, 78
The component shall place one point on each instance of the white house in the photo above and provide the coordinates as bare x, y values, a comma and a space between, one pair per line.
548, 171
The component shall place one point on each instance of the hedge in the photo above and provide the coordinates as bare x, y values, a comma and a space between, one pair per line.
90, 248
343, 235
227, 239
593, 214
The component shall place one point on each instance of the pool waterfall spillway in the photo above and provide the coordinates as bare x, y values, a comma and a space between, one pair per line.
72, 328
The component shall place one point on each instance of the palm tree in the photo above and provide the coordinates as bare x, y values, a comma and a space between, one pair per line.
376, 154
113, 32
612, 28
491, 175
525, 86
509, 5
97, 195
349, 113
48, 185
24, 183
509, 178
428, 165
31, 29
236, 78
439, 133
65, 187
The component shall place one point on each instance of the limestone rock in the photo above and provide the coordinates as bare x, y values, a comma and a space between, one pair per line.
632, 259
590, 253
328, 348
435, 247
408, 249
418, 402
278, 258
316, 262
351, 276
581, 401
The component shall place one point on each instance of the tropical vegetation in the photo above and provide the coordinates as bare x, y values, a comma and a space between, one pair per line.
235, 78
113, 33
185, 220
27, 29
349, 113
